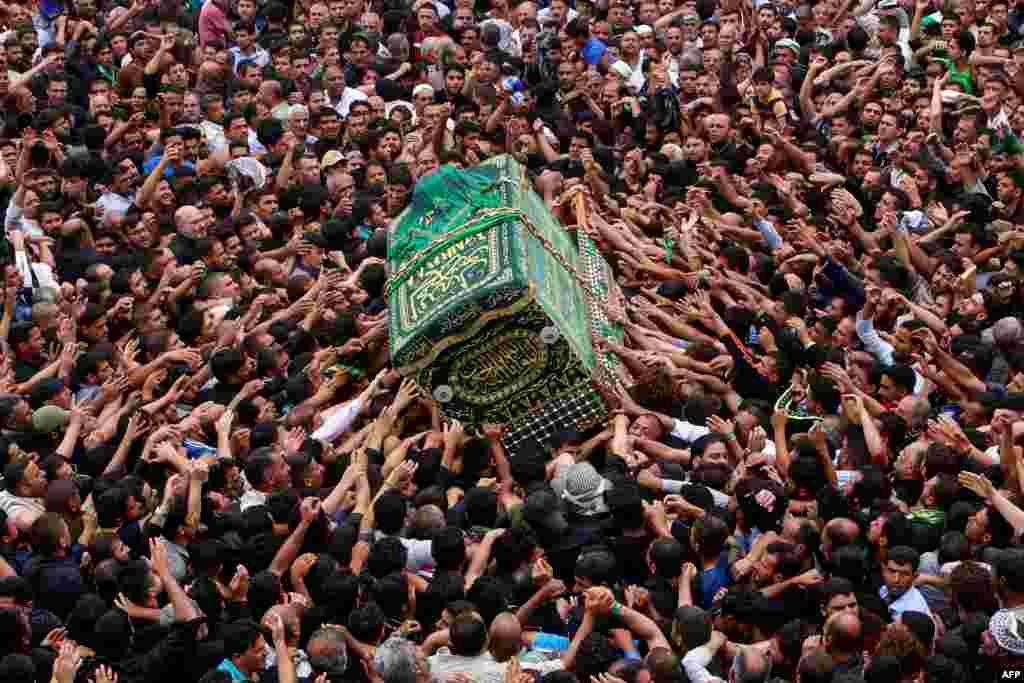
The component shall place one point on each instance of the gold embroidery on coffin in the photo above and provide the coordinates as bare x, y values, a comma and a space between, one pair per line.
500, 368
447, 276
443, 345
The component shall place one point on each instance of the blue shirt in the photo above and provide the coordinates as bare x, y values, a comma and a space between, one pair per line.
152, 162
713, 580
232, 670
593, 51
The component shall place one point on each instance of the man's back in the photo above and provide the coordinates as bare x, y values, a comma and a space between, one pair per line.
482, 667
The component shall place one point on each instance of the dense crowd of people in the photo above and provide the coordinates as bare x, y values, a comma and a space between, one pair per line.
211, 472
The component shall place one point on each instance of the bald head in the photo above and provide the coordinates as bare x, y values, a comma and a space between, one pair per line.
505, 636
839, 532
209, 70
1007, 331
427, 520
186, 218
844, 633
270, 91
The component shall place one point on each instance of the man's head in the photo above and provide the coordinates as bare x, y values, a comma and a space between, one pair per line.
25, 480
839, 598
505, 636
245, 644
750, 666
327, 651
900, 569
468, 635
843, 633
26, 339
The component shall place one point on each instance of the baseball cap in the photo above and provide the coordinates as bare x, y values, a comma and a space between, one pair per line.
787, 43
622, 69
49, 419
331, 158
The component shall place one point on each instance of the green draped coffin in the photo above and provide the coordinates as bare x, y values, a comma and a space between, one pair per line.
495, 306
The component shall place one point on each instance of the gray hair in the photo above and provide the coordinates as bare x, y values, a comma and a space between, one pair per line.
395, 660
335, 644
1007, 331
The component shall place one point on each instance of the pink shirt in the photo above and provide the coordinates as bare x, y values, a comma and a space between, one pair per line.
213, 24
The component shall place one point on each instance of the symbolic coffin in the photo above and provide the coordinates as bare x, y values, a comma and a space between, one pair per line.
495, 308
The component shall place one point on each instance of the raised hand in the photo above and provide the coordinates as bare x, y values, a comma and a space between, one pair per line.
978, 484
66, 666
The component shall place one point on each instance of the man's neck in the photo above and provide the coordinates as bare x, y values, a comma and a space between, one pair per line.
708, 563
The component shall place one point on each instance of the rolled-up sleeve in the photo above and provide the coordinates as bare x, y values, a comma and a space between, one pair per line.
873, 344
770, 234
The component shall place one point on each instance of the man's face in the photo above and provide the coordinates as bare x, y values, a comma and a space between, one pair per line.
57, 92
888, 391
330, 124
105, 246
35, 477
266, 206
335, 81
94, 331
463, 18
999, 15
888, 130
977, 527
715, 454
454, 80
317, 16
764, 570
566, 76
898, 577
646, 427
837, 604
139, 236
253, 659
34, 345
713, 61
717, 127
29, 43
427, 18
172, 102
360, 53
